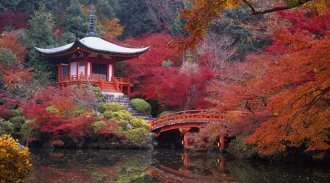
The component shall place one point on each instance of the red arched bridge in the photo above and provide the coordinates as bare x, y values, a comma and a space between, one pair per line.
184, 121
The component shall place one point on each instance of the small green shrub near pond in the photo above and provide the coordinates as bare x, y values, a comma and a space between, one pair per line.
141, 105
139, 123
109, 106
138, 137
125, 118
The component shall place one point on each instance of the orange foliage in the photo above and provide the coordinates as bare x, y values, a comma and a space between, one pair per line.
296, 81
301, 115
15, 78
10, 41
286, 89
14, 75
204, 12
112, 28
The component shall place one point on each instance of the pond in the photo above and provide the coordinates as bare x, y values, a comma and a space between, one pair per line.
70, 166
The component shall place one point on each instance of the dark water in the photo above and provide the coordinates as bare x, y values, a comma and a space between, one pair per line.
72, 166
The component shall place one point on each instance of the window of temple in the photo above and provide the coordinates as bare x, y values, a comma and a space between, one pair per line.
99, 71
82, 69
64, 71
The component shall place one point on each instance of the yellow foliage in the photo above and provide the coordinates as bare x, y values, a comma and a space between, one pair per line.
15, 163
230, 4
112, 28
322, 6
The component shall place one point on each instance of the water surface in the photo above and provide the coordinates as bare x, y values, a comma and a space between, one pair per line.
121, 166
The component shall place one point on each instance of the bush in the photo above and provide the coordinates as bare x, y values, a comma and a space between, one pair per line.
125, 119
29, 131
14, 160
122, 115
123, 124
7, 57
52, 109
139, 123
109, 106
240, 149
17, 121
6, 127
141, 105
97, 125
18, 112
138, 137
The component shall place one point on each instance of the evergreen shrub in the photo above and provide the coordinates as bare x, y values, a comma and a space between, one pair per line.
141, 105
138, 137
109, 106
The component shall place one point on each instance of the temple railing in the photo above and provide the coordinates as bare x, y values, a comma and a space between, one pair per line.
116, 84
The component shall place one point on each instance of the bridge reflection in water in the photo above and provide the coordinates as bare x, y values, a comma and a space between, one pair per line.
189, 168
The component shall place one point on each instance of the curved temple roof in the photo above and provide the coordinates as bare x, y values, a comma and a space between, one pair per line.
96, 44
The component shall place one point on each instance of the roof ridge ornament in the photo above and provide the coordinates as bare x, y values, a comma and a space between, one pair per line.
91, 29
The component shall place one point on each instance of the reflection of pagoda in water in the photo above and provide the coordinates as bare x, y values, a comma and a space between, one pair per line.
190, 171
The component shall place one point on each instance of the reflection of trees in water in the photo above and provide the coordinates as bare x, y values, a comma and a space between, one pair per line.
261, 172
90, 166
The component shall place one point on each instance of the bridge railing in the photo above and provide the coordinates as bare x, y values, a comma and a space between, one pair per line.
191, 115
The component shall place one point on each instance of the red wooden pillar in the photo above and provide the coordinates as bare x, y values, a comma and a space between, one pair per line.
129, 90
86, 69
185, 138
222, 142
117, 85
185, 158
222, 164
58, 72
107, 73
113, 69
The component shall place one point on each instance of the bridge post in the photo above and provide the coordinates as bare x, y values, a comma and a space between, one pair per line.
185, 138
185, 158
221, 161
222, 143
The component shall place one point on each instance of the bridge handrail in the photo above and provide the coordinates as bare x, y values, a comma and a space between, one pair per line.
189, 114
182, 112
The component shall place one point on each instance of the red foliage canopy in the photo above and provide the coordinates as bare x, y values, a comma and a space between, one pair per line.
16, 20
158, 74
7, 104
54, 111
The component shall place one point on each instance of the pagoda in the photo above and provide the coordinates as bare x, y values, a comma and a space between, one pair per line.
92, 60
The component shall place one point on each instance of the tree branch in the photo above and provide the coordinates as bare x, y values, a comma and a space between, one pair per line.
279, 8
316, 99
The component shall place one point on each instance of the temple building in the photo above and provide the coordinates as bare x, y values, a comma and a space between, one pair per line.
92, 60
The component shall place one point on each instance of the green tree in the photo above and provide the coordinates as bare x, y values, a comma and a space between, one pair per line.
9, 4
239, 25
133, 15
75, 22
40, 34
104, 9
